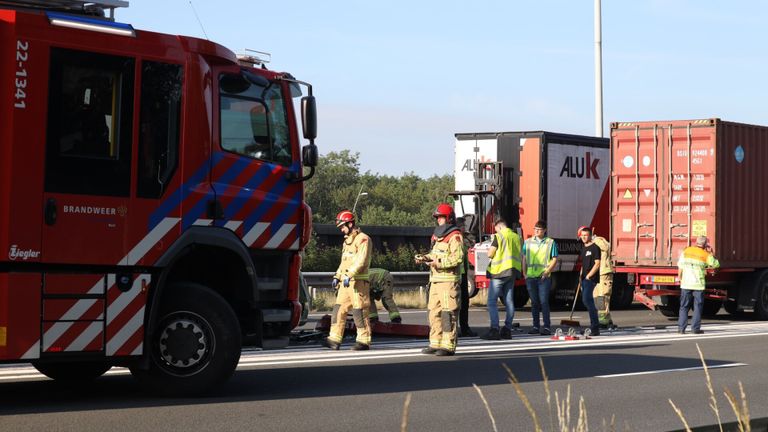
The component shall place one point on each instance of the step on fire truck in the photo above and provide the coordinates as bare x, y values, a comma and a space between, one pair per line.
527, 176
151, 198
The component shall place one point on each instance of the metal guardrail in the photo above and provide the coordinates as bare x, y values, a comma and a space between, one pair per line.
401, 280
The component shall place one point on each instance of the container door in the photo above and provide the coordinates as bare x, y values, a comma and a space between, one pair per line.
88, 158
636, 193
689, 192
662, 195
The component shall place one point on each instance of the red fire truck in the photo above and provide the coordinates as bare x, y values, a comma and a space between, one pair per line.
151, 197
527, 176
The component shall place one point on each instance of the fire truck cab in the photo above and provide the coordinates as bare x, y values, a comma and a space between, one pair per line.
151, 198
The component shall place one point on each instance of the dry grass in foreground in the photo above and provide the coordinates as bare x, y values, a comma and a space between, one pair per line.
558, 416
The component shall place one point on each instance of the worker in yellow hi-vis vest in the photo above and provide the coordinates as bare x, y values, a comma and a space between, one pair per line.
351, 281
505, 267
381, 289
692, 271
444, 261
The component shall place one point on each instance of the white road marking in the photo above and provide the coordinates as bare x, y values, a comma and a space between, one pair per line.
727, 365
386, 350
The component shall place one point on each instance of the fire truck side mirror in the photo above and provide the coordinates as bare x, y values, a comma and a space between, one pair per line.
309, 118
309, 155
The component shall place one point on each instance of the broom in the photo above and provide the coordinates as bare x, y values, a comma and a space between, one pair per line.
570, 321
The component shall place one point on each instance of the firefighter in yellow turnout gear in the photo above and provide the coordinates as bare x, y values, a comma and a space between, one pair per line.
444, 272
351, 280
381, 289
602, 293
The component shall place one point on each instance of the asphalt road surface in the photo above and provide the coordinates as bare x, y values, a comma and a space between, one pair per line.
628, 375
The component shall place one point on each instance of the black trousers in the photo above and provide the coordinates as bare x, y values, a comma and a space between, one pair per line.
464, 305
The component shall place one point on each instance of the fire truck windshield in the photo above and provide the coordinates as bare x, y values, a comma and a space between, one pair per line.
253, 119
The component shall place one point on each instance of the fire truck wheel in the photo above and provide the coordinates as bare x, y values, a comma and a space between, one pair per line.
73, 372
195, 345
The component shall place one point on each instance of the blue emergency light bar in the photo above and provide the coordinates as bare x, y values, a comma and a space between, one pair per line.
91, 24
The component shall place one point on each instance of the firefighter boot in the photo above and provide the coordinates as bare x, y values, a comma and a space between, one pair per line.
361, 347
330, 344
397, 320
428, 350
443, 353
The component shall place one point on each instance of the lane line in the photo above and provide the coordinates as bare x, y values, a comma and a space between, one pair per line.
408, 349
727, 365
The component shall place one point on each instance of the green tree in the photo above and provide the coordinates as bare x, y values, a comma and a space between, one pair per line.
408, 200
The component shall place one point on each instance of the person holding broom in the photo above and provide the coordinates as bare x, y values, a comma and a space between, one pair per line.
590, 276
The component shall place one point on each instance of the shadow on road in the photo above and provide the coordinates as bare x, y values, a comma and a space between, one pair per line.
417, 374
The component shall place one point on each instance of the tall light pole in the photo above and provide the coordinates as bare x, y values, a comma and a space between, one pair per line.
359, 194
598, 72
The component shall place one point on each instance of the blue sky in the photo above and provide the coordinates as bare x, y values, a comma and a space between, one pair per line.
395, 80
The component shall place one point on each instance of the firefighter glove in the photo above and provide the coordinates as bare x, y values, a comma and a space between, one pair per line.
335, 283
346, 281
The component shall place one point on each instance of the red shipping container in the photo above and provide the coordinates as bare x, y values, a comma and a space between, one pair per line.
674, 180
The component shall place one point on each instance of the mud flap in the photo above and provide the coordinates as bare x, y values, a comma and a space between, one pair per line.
335, 313
446, 319
357, 315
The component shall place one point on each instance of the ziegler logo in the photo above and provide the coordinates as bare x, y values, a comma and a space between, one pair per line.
580, 166
16, 253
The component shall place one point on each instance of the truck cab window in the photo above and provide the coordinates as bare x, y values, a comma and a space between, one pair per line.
159, 126
89, 123
253, 121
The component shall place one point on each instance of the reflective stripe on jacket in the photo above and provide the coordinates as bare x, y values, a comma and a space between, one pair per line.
355, 256
693, 262
448, 253
507, 256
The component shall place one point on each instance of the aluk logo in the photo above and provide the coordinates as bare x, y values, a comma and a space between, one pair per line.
580, 166
16, 253
471, 164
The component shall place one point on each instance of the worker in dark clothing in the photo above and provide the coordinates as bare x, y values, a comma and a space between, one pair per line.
464, 329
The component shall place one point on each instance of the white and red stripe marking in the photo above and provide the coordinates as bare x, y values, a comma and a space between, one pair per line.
125, 310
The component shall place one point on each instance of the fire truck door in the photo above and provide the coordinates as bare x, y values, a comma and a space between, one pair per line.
88, 158
251, 183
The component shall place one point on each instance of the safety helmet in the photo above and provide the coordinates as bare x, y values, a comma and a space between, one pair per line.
445, 210
344, 216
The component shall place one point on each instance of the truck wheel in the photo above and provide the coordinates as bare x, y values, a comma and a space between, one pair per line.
761, 298
732, 307
471, 285
195, 345
669, 306
520, 296
669, 311
711, 308
72, 372
623, 294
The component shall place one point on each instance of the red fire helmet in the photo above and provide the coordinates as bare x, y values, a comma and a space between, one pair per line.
343, 217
